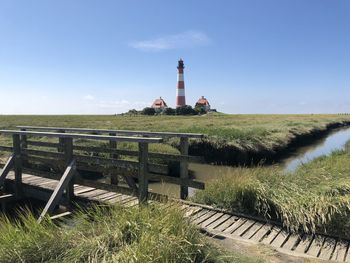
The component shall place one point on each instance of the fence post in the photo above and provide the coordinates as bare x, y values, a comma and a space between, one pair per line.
143, 172
17, 164
184, 167
61, 142
68, 156
24, 145
113, 145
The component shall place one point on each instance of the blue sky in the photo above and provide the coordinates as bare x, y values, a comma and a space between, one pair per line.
105, 57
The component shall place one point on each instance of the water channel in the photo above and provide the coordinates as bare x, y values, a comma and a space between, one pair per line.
336, 140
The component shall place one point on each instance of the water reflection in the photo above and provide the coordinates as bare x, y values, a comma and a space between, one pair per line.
206, 172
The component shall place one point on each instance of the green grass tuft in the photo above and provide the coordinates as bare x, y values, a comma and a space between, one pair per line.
109, 234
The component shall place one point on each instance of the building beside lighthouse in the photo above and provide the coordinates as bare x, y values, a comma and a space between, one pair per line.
159, 104
203, 104
180, 89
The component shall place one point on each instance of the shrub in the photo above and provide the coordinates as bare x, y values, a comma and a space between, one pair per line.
185, 110
148, 111
169, 111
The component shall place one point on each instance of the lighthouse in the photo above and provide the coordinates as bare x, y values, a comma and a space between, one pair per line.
180, 90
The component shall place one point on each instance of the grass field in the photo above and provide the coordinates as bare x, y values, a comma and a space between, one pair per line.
230, 138
314, 197
114, 234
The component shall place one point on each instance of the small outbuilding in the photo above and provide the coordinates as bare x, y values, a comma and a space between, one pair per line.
203, 103
159, 104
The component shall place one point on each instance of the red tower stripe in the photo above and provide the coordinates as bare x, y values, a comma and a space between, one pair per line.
180, 84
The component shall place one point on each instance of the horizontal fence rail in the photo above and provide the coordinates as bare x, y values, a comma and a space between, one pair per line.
139, 167
125, 132
83, 136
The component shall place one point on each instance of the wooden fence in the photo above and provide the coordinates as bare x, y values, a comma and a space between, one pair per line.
69, 157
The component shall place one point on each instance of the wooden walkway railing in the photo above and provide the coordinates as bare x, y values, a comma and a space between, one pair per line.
184, 158
69, 158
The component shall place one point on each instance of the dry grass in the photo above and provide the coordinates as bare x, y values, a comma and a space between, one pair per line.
110, 234
315, 197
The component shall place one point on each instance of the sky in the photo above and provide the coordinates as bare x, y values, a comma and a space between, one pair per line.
106, 57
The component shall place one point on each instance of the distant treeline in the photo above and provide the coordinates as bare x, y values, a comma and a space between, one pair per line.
185, 110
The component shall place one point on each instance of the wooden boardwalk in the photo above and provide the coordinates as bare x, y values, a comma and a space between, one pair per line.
213, 221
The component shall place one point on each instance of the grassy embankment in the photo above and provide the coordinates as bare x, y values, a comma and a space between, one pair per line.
114, 234
230, 138
314, 197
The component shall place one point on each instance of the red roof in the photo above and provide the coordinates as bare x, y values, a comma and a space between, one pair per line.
203, 101
159, 103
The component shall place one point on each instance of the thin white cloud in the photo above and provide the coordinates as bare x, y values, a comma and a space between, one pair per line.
89, 97
186, 39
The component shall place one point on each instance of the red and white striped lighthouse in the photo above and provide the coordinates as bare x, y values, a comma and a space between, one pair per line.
180, 90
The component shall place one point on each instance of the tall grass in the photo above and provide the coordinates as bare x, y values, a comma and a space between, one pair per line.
316, 197
109, 234
242, 131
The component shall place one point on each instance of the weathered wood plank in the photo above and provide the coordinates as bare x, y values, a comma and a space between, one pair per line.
212, 219
57, 194
280, 239
271, 235
252, 230
7, 198
243, 228
6, 169
17, 152
184, 167
204, 217
304, 243
61, 215
328, 248
222, 227
218, 222
44, 153
192, 210
316, 245
292, 241
105, 131
143, 172
84, 136
199, 214
235, 225
340, 251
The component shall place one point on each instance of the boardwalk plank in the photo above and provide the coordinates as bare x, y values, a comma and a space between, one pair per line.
218, 222
252, 230
328, 248
192, 210
243, 228
226, 224
292, 241
280, 239
204, 217
235, 225
271, 235
198, 214
340, 250
316, 245
261, 233
304, 244
211, 219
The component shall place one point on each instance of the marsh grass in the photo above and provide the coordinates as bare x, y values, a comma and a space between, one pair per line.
316, 197
109, 234
245, 132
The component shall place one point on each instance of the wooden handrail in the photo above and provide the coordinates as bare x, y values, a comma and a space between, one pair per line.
125, 132
84, 136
